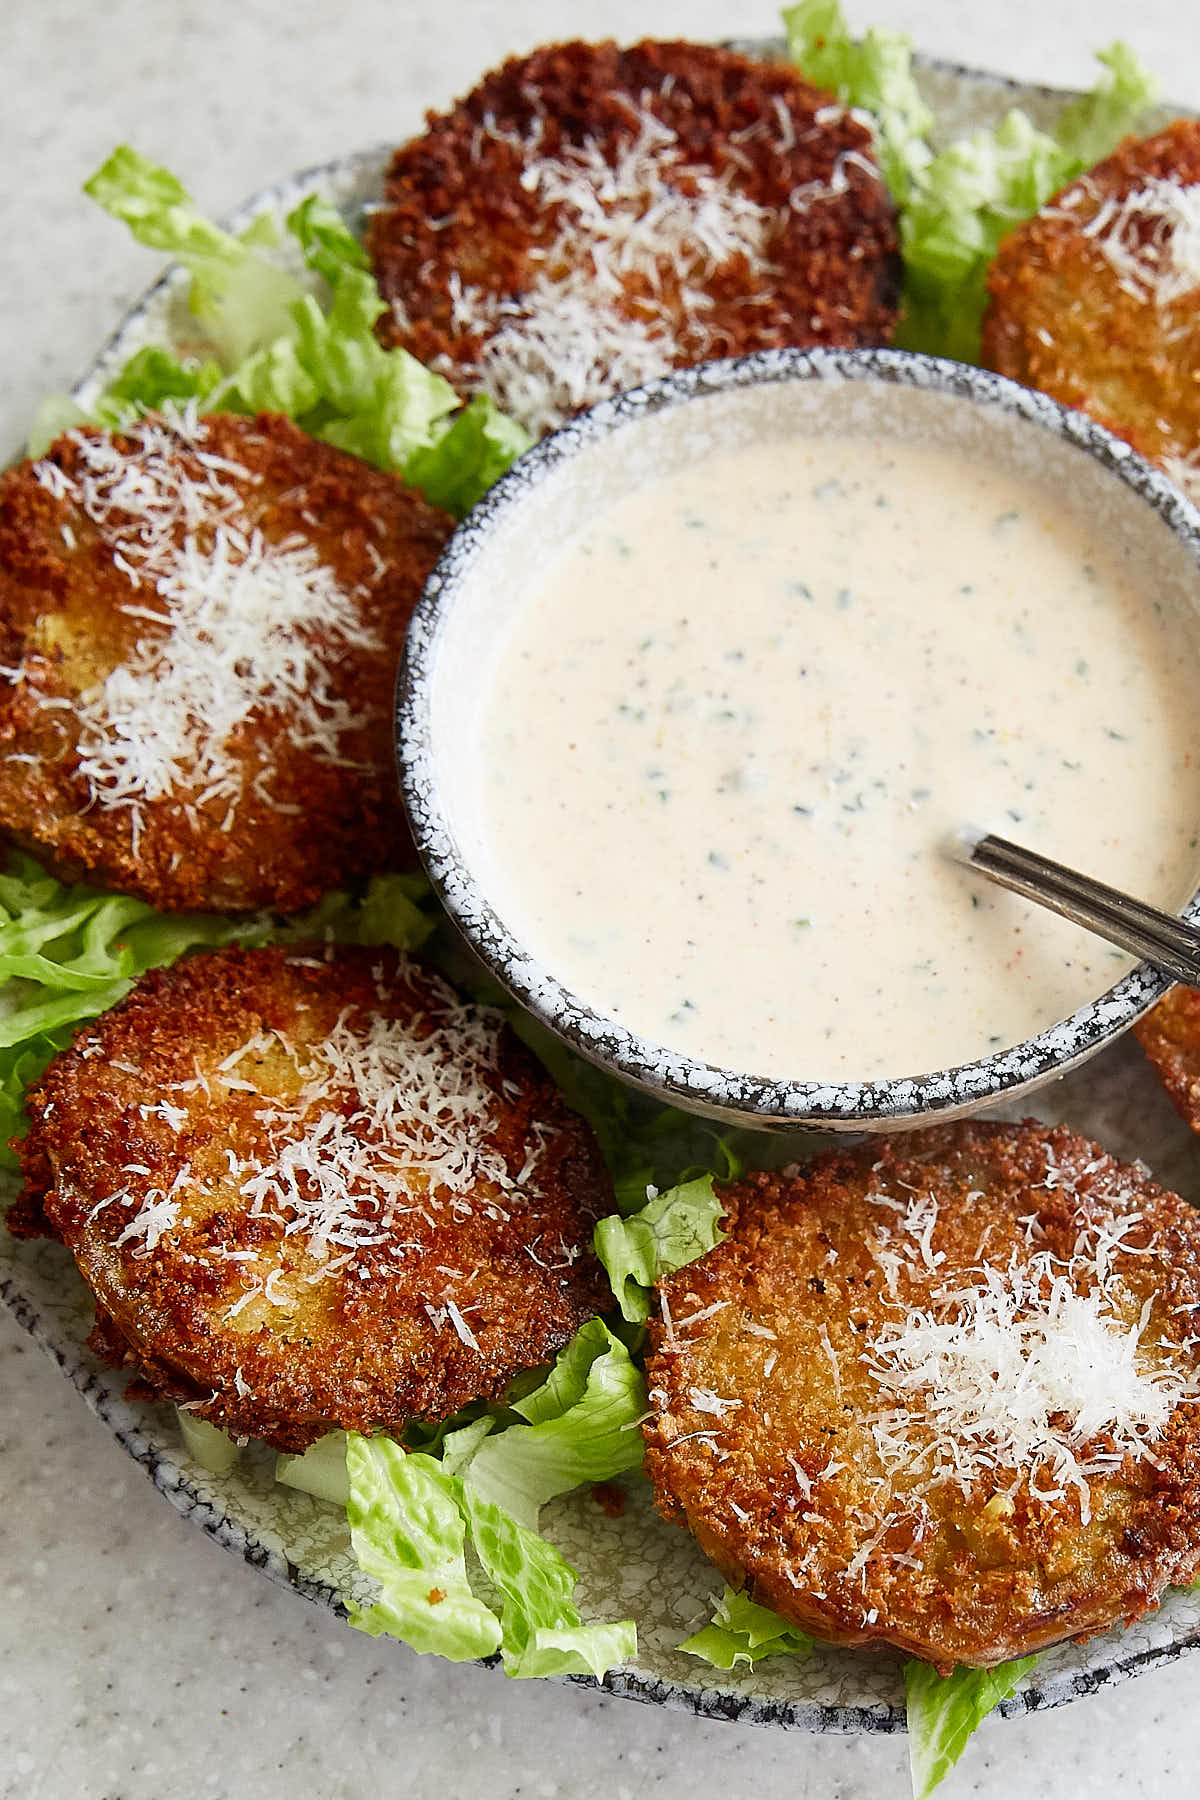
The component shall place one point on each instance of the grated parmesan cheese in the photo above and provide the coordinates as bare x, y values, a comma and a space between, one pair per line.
238, 627
706, 1401
1151, 240
389, 1118
1021, 1373
383, 1117
595, 319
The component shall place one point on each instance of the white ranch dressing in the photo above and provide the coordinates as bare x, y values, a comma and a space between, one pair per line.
733, 724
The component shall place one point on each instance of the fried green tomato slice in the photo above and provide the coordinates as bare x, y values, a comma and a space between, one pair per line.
1096, 301
313, 1189
939, 1392
200, 625
590, 217
1170, 1036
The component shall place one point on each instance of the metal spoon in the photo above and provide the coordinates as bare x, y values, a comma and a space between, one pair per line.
1171, 944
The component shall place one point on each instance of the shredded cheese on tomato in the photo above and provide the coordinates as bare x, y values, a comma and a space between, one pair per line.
236, 628
595, 318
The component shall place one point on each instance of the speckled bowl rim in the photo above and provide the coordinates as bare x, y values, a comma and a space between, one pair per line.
732, 1095
134, 1426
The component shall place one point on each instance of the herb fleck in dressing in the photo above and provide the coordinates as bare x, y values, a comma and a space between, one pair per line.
731, 729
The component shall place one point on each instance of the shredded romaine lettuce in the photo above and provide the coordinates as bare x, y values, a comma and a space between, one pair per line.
320, 1470
582, 1427
278, 348
943, 1711
741, 1631
1090, 127
412, 1512
410, 1517
408, 1527
957, 205
69, 953
542, 1631
976, 191
242, 299
212, 1448
873, 74
671, 1230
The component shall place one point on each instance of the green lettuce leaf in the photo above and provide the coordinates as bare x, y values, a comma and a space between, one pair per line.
151, 379
956, 206
671, 1230
457, 1443
154, 378
399, 910
211, 1447
872, 73
55, 414
583, 1427
943, 1711
320, 1470
1092, 126
242, 299
281, 349
972, 194
566, 1384
330, 247
409, 1532
744, 1632
466, 455
543, 1633
68, 954
410, 1518
383, 404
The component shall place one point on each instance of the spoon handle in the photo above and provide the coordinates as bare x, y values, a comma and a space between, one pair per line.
1171, 944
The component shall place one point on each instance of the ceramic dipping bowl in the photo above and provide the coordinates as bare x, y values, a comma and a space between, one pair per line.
500, 551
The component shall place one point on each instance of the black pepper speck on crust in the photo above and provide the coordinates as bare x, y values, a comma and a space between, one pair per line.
80, 605
480, 215
828, 1487
311, 1192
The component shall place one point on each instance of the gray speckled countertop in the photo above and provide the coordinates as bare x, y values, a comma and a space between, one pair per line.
137, 1660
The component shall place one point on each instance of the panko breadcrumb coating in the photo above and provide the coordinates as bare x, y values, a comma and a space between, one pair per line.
590, 217
200, 624
1096, 301
940, 1392
1170, 1036
313, 1189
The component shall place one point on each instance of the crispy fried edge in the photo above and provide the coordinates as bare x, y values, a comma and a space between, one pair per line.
763, 1203
349, 823
285, 1412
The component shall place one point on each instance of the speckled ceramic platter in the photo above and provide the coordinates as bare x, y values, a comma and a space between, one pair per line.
631, 1565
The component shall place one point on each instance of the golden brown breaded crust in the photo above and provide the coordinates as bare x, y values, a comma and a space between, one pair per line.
1060, 319
311, 1193
1170, 1036
301, 821
781, 1393
469, 212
